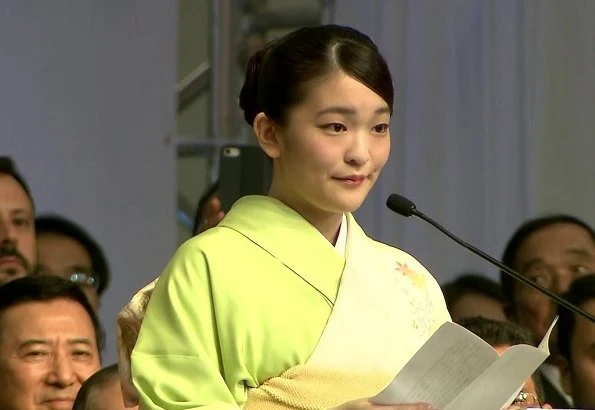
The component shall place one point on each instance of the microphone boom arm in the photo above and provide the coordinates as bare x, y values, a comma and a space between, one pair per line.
504, 268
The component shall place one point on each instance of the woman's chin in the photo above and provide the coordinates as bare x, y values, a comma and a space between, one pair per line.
348, 205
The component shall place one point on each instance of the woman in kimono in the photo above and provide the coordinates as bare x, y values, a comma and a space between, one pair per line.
286, 303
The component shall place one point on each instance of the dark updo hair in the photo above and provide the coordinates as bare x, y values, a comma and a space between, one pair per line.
277, 77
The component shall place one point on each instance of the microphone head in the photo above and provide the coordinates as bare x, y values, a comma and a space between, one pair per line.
400, 205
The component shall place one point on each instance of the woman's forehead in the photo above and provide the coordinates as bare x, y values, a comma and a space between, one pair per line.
341, 94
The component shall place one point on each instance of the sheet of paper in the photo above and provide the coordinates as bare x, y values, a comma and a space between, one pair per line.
455, 369
545, 342
494, 387
447, 363
544, 346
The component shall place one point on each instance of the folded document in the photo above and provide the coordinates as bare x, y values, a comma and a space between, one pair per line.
457, 370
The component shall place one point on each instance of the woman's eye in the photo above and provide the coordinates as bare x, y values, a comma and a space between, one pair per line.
380, 128
335, 127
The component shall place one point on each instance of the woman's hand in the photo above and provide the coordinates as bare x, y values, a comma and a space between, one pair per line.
366, 405
529, 406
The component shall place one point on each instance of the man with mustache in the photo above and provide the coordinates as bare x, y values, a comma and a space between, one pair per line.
17, 226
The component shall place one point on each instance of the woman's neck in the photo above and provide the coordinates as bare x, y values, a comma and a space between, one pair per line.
327, 223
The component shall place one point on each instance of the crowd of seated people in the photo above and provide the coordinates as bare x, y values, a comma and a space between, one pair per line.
53, 275
555, 251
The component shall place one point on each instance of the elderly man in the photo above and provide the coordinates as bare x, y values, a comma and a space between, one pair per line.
50, 341
552, 251
17, 231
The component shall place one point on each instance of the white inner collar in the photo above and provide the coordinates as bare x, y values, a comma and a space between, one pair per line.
341, 243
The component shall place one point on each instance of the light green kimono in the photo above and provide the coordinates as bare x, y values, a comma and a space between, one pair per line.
243, 303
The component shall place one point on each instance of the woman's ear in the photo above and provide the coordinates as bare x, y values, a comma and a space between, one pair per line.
267, 134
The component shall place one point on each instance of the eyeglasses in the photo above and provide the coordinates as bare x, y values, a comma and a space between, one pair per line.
546, 276
85, 279
526, 399
79, 276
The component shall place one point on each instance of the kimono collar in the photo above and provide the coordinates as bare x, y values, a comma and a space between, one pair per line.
341, 243
291, 239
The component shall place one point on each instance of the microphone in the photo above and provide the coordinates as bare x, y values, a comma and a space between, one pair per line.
406, 208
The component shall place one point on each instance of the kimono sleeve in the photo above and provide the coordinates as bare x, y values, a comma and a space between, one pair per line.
176, 362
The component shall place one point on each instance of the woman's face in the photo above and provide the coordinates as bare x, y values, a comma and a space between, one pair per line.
333, 147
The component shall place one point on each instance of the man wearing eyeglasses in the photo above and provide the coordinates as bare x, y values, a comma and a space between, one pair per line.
65, 249
552, 251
